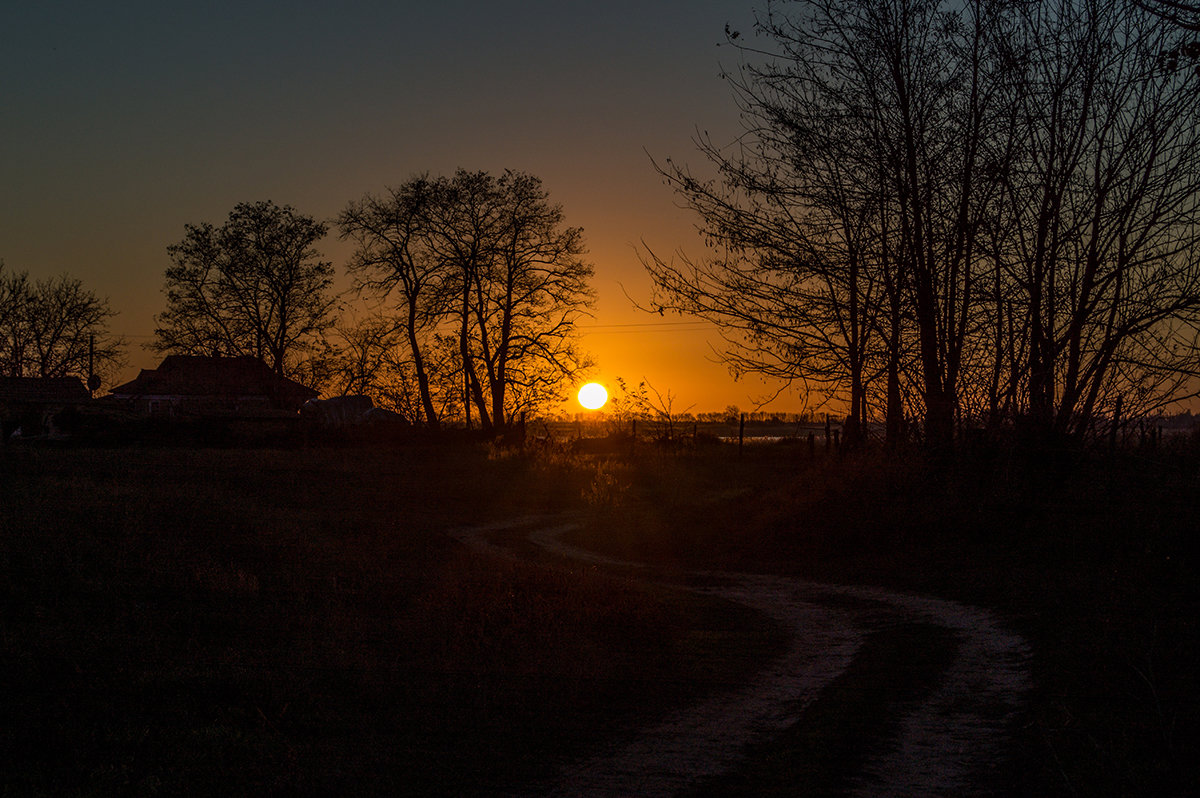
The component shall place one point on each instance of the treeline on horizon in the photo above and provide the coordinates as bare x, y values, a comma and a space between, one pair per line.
464, 307
976, 215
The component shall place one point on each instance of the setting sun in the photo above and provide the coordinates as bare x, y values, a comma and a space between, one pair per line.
593, 396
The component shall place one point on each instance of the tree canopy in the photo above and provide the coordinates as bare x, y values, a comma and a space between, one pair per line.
479, 286
256, 285
55, 327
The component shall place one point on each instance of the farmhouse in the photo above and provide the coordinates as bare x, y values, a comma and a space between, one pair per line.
40, 406
189, 386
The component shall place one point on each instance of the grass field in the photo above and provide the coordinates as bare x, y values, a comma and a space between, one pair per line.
295, 621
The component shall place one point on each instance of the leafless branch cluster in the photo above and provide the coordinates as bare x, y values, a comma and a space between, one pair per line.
479, 288
967, 212
54, 328
253, 286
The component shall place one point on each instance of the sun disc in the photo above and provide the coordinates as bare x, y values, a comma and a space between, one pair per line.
593, 396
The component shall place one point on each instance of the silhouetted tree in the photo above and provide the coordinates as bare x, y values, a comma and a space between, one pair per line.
396, 263
487, 263
54, 328
14, 296
1184, 14
528, 298
253, 286
969, 202
846, 216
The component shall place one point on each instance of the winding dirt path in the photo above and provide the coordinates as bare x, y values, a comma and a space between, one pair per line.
949, 743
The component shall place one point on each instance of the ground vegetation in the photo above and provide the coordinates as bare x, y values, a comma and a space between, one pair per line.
301, 619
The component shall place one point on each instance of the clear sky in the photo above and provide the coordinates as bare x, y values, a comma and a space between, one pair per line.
121, 123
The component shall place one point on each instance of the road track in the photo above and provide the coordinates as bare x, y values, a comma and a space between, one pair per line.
952, 742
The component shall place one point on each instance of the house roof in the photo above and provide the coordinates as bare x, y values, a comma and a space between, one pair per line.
193, 375
43, 390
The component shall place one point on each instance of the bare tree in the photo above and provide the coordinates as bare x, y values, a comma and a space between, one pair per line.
55, 328
529, 298
459, 229
990, 207
395, 262
1104, 245
253, 286
848, 211
14, 301
485, 262
1184, 14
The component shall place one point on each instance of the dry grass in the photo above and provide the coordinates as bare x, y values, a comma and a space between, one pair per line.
296, 621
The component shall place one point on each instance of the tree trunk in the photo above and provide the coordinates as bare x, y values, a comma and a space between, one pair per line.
431, 418
939, 419
894, 412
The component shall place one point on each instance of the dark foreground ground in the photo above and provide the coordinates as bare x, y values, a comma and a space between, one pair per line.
233, 621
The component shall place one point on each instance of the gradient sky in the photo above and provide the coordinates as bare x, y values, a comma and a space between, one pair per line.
120, 123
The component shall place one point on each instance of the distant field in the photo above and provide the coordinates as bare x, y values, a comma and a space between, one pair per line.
241, 621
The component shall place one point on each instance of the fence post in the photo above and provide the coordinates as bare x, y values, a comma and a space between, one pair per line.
741, 432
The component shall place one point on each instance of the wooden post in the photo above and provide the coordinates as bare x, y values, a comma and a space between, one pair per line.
812, 446
741, 433
828, 435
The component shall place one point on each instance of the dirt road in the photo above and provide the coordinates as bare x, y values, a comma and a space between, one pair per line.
950, 742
